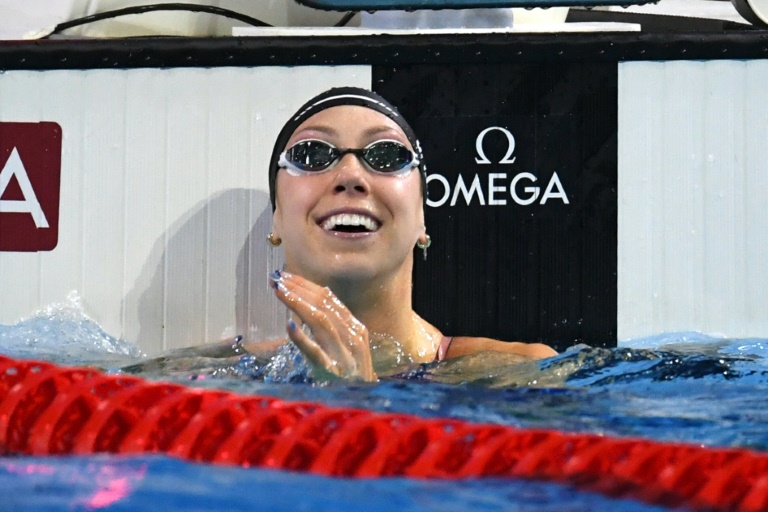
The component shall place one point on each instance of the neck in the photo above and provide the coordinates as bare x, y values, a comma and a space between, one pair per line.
384, 306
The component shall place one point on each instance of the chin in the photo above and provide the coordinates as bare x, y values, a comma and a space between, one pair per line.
340, 267
349, 272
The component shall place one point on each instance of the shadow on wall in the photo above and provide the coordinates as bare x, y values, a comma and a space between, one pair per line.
259, 314
206, 277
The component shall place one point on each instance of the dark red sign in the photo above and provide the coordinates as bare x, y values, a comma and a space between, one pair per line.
30, 185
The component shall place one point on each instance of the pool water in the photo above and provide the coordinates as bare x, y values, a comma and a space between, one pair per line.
161, 483
683, 387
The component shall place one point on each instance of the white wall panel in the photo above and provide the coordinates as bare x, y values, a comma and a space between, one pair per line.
693, 158
164, 204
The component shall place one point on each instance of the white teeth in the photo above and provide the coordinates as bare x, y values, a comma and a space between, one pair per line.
350, 219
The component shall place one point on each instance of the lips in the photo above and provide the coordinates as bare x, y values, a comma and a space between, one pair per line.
350, 223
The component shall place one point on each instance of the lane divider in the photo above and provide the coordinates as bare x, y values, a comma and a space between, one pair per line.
47, 410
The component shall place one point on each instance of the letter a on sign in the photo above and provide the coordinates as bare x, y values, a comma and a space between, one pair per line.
30, 182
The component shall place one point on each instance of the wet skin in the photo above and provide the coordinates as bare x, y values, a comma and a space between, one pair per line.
345, 283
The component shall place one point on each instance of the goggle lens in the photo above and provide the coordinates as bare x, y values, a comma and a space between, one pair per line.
312, 155
383, 156
387, 156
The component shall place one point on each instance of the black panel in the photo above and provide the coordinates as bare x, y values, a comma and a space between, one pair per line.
744, 43
531, 272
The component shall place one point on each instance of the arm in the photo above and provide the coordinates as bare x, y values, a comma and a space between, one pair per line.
263, 348
463, 346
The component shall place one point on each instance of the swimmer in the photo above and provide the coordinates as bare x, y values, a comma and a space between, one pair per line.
348, 184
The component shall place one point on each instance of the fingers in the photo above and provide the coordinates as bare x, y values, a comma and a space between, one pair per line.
318, 297
322, 324
339, 341
319, 308
311, 350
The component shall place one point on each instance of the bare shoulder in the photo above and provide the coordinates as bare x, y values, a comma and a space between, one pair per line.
466, 345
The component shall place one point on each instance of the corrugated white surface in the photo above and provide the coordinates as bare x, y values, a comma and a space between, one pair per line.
164, 203
693, 182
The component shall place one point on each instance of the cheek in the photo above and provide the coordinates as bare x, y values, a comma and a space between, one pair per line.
408, 187
292, 198
406, 195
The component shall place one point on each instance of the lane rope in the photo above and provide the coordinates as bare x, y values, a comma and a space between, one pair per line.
47, 409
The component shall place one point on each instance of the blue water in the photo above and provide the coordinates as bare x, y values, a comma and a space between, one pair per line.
162, 483
678, 387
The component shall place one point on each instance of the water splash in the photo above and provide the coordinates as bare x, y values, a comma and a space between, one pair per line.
63, 333
222, 362
288, 365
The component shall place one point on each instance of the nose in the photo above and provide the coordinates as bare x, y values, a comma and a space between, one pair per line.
351, 175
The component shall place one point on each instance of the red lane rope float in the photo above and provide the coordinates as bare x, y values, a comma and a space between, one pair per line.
47, 409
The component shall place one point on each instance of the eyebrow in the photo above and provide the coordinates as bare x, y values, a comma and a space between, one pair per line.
328, 130
379, 129
321, 128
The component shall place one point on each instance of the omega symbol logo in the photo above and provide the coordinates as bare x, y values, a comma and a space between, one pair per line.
508, 158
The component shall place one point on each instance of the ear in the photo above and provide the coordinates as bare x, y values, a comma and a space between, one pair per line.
420, 222
277, 225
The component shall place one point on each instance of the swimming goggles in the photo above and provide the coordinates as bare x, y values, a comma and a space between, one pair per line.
312, 156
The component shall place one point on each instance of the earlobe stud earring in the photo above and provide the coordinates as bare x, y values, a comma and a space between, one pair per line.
273, 240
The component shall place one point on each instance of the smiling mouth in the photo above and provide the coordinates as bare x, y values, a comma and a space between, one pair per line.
350, 223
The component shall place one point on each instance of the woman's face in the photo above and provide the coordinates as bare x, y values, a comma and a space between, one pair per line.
313, 212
